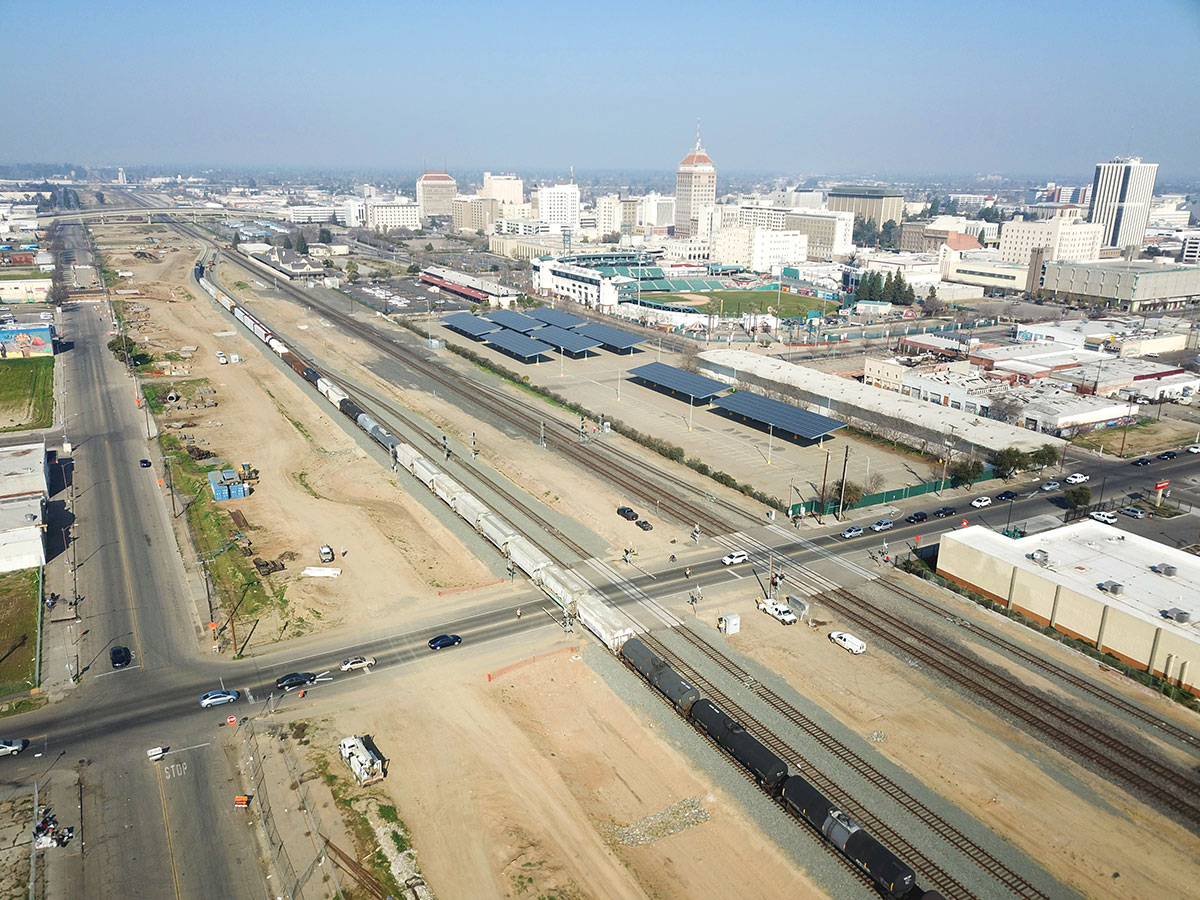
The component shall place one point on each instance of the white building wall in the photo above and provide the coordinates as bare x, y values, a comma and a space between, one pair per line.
1121, 196
503, 188
558, 206
1066, 239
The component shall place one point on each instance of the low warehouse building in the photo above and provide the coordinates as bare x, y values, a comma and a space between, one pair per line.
23, 495
1129, 596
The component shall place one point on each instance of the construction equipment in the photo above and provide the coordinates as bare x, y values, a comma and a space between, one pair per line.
247, 473
326, 553
364, 762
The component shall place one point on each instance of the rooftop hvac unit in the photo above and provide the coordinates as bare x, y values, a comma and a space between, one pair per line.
1165, 569
1182, 616
1113, 587
1041, 557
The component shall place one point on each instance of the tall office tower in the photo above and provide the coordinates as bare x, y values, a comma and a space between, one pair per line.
504, 188
695, 188
435, 193
1121, 194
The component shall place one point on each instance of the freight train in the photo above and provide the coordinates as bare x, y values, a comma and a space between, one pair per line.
575, 596
890, 874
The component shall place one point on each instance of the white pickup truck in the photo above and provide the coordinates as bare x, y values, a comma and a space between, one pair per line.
777, 611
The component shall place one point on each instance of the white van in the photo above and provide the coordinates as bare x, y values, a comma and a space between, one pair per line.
848, 641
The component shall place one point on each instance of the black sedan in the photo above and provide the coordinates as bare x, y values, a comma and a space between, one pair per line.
120, 657
1006, 496
444, 640
917, 517
1168, 454
1141, 461
945, 511
626, 512
295, 680
144, 463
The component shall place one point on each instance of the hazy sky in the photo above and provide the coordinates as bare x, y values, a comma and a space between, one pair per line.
1018, 86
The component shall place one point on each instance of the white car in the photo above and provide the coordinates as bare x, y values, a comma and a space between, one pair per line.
882, 525
8, 748
1195, 448
218, 698
1106, 517
737, 556
357, 662
1078, 478
847, 641
981, 502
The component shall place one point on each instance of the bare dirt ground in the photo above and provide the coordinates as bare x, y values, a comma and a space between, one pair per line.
512, 789
967, 755
316, 484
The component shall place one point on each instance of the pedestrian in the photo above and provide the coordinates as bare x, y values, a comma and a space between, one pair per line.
687, 573
518, 612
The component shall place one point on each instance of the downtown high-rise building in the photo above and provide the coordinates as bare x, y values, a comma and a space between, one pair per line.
1121, 194
695, 188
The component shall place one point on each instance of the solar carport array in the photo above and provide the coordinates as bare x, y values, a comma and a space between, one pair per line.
557, 317
563, 339
678, 381
780, 417
513, 320
518, 345
613, 338
471, 326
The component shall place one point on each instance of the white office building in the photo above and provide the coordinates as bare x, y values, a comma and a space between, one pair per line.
435, 192
383, 215
558, 207
503, 188
1064, 238
1121, 195
757, 249
695, 188
830, 233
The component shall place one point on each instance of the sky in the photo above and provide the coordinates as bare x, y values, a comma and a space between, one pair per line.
1019, 87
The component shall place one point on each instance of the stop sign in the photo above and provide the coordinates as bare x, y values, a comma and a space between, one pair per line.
232, 720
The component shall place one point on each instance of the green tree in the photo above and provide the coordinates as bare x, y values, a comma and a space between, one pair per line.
935, 205
1043, 456
352, 271
301, 244
1010, 460
889, 234
866, 232
932, 295
1077, 496
125, 349
854, 493
287, 242
965, 471
413, 269
888, 293
429, 248
100, 197
325, 236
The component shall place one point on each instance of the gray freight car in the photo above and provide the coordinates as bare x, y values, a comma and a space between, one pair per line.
641, 658
682, 693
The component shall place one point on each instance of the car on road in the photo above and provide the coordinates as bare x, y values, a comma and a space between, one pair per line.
1078, 478
444, 640
1051, 486
1195, 448
882, 525
1101, 516
218, 698
144, 463
916, 518
120, 657
1134, 512
852, 532
737, 556
1168, 454
847, 641
981, 502
294, 680
357, 662
644, 525
1141, 461
9, 748
626, 512
1006, 496
46, 316
944, 511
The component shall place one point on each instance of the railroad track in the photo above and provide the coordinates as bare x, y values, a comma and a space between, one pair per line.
1012, 881
885, 833
1059, 672
351, 866
1166, 786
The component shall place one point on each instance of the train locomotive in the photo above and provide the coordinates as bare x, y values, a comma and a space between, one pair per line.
890, 874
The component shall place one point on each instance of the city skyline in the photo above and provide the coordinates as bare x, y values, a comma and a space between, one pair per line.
1021, 89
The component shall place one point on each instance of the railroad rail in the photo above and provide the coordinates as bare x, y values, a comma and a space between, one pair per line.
1012, 881
884, 832
1147, 717
1165, 785
351, 866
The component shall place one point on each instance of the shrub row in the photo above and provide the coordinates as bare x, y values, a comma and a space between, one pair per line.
921, 568
658, 445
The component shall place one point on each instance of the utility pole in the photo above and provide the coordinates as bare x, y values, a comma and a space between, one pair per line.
824, 480
842, 498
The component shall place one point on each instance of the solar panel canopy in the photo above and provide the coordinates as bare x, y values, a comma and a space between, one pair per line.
613, 338
571, 341
469, 324
781, 416
518, 344
695, 386
514, 320
557, 317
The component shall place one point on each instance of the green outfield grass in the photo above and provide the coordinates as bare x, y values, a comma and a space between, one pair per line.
733, 303
18, 629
